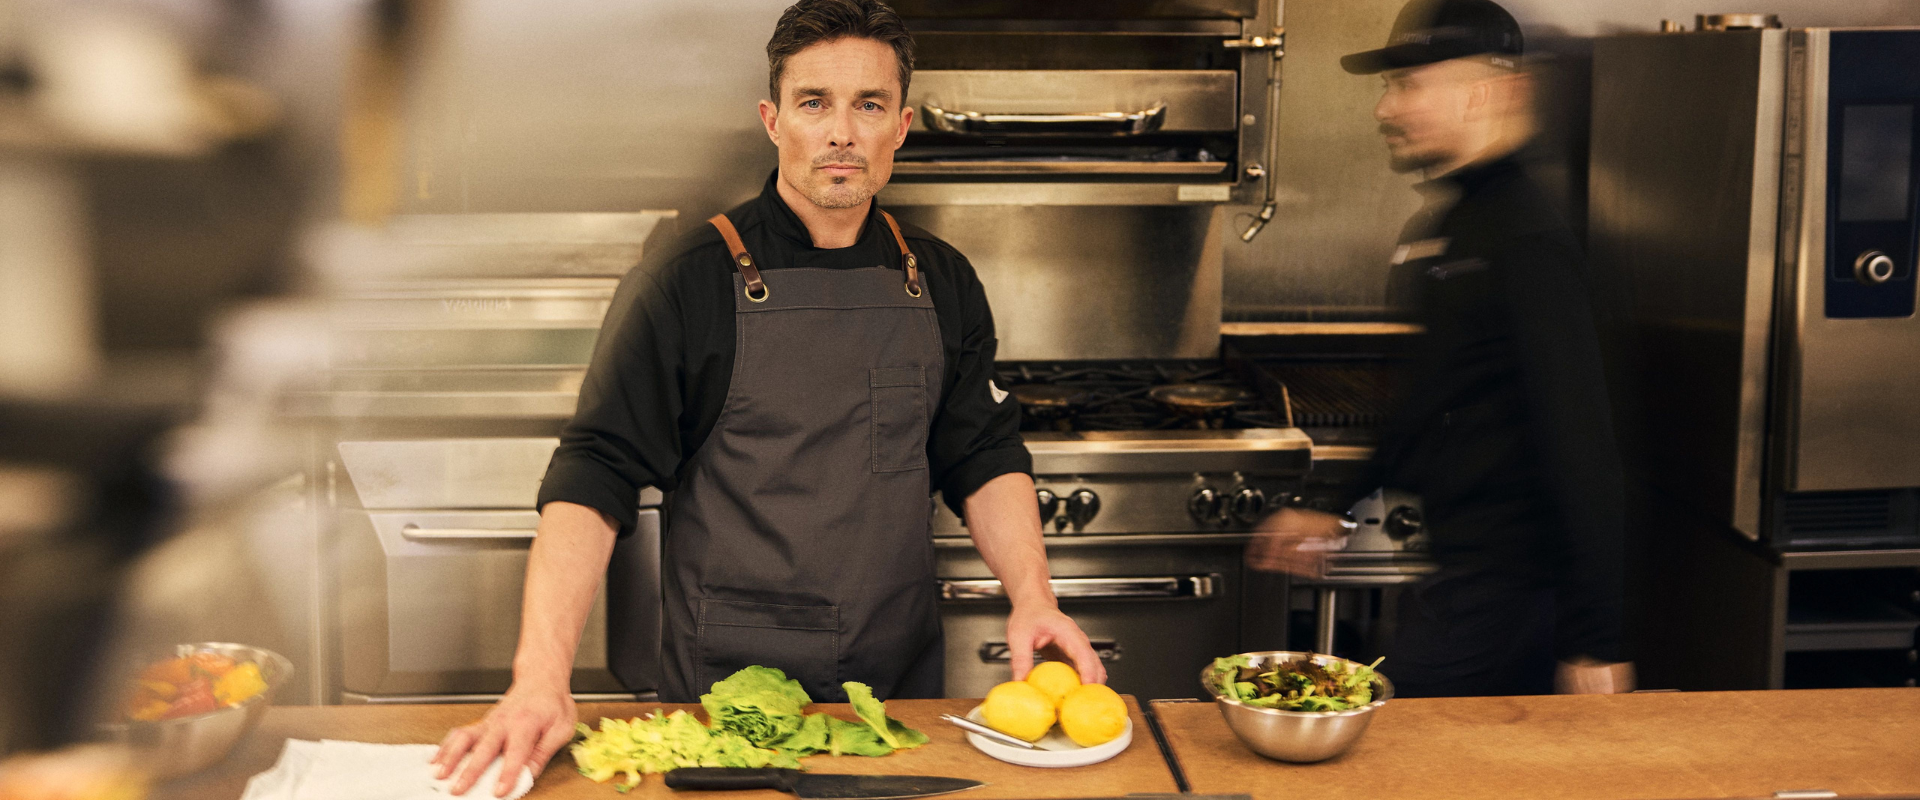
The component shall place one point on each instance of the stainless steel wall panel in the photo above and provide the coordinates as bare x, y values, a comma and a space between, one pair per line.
1340, 208
1076, 282
448, 473
482, 245
1684, 201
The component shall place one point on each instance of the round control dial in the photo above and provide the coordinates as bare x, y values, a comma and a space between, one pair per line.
1403, 523
1247, 505
1082, 505
1873, 268
1205, 505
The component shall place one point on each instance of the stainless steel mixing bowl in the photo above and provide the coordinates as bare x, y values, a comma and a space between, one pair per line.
1298, 736
173, 747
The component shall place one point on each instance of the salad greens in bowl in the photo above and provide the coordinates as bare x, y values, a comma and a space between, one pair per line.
1294, 706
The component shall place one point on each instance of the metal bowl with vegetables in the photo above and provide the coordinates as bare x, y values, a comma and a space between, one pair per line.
1294, 706
186, 712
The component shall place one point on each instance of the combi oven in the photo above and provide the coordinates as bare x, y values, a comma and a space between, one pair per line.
1756, 189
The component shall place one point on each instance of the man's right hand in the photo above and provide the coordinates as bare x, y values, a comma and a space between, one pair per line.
525, 729
1296, 541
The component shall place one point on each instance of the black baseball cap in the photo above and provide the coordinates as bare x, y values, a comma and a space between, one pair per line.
1429, 31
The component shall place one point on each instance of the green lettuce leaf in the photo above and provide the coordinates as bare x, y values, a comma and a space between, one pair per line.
855, 739
870, 710
759, 703
663, 742
907, 737
874, 713
809, 739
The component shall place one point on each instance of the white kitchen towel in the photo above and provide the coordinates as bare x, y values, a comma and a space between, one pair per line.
336, 770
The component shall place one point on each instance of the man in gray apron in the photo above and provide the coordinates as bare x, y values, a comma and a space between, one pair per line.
800, 374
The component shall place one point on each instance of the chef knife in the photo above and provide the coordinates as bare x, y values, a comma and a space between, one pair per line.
816, 787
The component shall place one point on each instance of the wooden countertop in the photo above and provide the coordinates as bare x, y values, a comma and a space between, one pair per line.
1139, 769
1656, 745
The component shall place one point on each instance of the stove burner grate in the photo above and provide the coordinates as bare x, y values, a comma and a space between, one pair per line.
1117, 395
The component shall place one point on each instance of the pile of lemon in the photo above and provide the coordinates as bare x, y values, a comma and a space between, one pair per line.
1089, 714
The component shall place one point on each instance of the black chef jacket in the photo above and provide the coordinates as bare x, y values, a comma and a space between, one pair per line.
664, 361
1504, 427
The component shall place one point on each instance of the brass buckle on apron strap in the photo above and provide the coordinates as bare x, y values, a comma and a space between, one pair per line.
756, 289
906, 257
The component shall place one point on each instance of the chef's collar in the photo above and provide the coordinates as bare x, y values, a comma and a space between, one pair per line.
1472, 177
787, 224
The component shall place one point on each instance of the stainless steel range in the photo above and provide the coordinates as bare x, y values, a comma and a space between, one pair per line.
1149, 474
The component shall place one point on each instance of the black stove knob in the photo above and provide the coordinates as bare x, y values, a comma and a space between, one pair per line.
1082, 505
1205, 506
1403, 523
1247, 504
1049, 504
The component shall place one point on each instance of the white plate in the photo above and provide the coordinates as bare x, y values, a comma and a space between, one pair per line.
1056, 750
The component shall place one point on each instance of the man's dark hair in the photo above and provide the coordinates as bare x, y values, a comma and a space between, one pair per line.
810, 22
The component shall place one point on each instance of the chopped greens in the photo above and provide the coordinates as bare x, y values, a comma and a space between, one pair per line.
757, 721
662, 742
1295, 685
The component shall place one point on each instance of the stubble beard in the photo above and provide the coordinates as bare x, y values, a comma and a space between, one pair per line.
835, 191
1404, 161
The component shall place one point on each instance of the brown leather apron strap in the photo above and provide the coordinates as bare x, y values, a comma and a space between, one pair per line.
756, 288
906, 256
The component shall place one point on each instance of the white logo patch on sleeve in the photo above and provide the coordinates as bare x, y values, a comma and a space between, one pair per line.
994, 391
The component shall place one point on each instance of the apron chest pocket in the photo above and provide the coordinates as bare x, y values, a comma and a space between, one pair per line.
802, 641
900, 418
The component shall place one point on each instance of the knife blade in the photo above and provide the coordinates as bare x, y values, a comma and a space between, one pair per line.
809, 786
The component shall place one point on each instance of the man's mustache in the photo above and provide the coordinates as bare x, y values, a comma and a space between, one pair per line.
844, 157
1390, 129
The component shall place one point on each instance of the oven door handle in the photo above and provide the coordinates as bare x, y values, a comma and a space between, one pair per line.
416, 532
1116, 123
1195, 587
1000, 653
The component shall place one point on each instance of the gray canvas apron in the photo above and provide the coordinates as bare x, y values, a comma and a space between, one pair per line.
798, 537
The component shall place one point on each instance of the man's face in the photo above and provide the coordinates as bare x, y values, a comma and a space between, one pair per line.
839, 119
1424, 113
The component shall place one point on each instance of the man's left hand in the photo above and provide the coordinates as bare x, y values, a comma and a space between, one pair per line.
1587, 676
1032, 627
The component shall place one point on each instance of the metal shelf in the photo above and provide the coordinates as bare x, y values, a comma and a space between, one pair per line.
1851, 559
1882, 627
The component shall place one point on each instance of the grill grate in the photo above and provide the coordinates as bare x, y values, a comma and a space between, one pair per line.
1331, 394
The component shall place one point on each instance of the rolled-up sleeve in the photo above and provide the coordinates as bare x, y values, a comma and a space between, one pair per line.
976, 436
624, 434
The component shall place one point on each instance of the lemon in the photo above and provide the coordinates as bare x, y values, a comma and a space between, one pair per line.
1092, 714
1054, 679
1016, 708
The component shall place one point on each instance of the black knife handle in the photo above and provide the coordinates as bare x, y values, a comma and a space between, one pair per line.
722, 778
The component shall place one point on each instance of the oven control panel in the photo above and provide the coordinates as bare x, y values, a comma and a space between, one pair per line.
1146, 504
1387, 521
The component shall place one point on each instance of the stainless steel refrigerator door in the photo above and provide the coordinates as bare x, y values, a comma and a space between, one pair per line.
1849, 411
1684, 205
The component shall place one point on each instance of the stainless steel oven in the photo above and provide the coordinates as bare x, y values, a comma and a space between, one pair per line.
432, 554
1082, 155
456, 349
1756, 187
1149, 475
